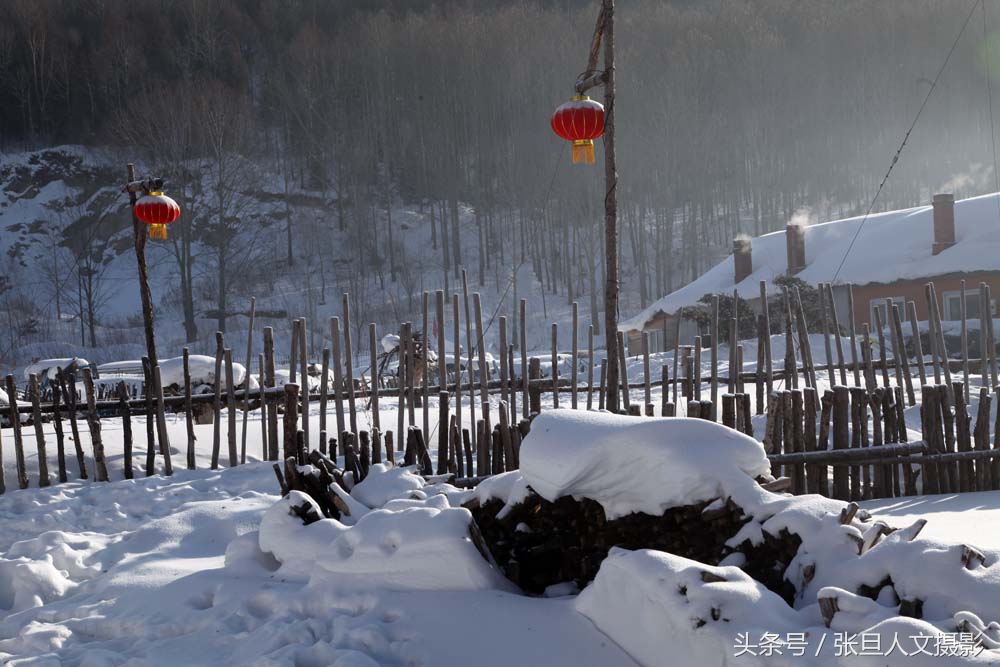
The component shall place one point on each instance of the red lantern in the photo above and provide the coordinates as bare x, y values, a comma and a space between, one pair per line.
581, 120
157, 210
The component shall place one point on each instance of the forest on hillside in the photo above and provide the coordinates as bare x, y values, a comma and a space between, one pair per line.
733, 116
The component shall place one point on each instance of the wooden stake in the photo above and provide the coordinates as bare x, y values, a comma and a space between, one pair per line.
349, 362
147, 374
714, 342
483, 369
524, 357
15, 421
324, 389
189, 412
220, 351
126, 411
60, 440
94, 422
555, 365
231, 408
303, 362
911, 309
70, 394
338, 379
373, 372
161, 427
837, 336
648, 388
590, 367
272, 410
576, 357
851, 331
36, 418
246, 380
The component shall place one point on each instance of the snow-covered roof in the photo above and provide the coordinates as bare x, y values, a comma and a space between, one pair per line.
892, 246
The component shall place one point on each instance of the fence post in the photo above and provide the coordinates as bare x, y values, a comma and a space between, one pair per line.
841, 439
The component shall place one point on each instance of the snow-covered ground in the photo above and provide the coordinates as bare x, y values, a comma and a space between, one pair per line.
170, 571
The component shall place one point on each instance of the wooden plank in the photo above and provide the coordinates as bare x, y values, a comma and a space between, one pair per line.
506, 386
677, 349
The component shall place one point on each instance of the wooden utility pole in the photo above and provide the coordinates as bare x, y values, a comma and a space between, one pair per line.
590, 78
139, 228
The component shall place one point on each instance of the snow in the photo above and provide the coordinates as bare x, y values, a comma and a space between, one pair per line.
637, 465
892, 246
655, 604
209, 568
47, 368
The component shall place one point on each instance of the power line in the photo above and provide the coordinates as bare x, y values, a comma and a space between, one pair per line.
906, 137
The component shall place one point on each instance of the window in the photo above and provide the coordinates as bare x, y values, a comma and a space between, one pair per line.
655, 340
879, 305
953, 305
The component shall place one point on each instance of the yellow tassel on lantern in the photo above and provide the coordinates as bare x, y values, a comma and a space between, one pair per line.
158, 232
583, 151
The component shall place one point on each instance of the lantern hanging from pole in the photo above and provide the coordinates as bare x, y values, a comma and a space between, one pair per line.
157, 210
581, 120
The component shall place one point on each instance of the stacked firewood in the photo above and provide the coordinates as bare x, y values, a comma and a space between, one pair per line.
540, 543
317, 480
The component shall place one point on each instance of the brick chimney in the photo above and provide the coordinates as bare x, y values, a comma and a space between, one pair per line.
944, 222
742, 258
795, 245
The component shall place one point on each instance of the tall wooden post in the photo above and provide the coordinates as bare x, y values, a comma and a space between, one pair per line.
610, 204
139, 230
605, 30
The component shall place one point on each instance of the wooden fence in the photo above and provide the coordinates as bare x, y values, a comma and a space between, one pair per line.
807, 435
